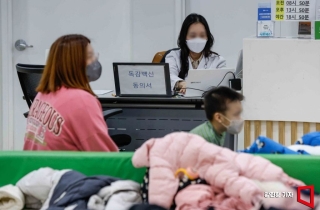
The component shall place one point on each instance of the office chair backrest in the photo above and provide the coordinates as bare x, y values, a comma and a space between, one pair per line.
160, 57
29, 77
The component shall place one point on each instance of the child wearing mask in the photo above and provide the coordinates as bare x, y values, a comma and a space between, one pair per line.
223, 110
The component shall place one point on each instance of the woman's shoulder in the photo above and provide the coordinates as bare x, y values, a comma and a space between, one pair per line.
76, 95
173, 52
76, 92
216, 56
217, 61
82, 99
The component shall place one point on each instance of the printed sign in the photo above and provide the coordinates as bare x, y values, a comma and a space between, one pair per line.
264, 11
142, 79
285, 10
265, 29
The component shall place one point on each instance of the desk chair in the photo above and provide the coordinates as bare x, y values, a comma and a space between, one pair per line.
29, 78
160, 57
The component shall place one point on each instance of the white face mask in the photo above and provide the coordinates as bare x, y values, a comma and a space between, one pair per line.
196, 45
235, 126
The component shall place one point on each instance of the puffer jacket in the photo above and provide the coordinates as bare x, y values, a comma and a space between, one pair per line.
230, 174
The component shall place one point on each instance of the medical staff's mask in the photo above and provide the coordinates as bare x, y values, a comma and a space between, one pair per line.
94, 70
235, 126
196, 45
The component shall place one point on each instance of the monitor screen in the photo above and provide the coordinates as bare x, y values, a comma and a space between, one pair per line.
138, 79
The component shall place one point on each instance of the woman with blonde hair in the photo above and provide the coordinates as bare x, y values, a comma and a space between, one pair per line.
66, 114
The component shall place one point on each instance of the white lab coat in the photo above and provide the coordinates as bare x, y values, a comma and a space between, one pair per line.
173, 58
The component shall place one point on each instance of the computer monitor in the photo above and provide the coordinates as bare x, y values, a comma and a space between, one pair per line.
142, 79
199, 81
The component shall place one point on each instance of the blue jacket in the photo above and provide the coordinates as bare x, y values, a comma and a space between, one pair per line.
75, 189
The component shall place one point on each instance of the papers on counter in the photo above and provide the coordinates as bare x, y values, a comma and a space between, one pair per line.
101, 92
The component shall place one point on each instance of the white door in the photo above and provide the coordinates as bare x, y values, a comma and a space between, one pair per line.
117, 29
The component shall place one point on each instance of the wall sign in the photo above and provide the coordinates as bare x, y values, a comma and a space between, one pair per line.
264, 13
285, 10
265, 27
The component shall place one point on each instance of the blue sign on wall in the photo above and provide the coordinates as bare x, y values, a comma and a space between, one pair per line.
264, 14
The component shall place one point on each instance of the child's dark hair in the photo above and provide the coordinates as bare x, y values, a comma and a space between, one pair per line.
216, 100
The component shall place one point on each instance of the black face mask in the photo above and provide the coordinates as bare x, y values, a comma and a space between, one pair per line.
94, 71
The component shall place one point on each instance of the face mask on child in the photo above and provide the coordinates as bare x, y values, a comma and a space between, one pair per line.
234, 127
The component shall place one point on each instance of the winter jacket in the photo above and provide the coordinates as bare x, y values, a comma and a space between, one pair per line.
74, 190
230, 174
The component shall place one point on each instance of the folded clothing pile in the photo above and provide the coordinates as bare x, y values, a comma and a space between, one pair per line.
49, 189
11, 198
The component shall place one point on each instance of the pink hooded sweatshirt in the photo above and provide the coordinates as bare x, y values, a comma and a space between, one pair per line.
68, 119
230, 174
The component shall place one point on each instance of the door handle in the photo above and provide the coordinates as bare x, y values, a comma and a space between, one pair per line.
21, 45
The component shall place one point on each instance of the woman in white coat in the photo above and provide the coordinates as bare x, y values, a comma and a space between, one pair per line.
195, 42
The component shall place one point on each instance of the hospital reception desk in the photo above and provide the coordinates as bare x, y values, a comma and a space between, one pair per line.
146, 117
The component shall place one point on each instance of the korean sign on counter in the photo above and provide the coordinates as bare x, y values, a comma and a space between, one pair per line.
140, 79
285, 10
145, 74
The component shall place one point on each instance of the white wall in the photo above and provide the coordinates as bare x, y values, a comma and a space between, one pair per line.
153, 28
6, 76
277, 81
